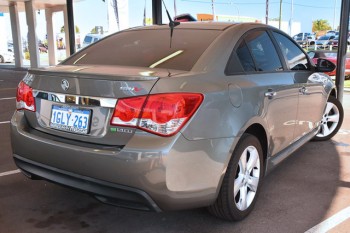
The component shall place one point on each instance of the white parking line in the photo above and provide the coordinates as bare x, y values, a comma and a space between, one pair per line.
8, 98
4, 122
331, 222
10, 173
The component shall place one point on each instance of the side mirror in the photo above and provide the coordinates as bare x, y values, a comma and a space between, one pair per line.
323, 65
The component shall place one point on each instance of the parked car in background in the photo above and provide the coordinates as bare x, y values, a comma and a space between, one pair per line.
91, 38
151, 118
305, 38
334, 42
43, 48
6, 56
323, 41
332, 33
330, 56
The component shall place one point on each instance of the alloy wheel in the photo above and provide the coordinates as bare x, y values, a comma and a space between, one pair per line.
247, 178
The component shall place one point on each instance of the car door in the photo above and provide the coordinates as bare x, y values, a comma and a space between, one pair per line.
312, 97
266, 86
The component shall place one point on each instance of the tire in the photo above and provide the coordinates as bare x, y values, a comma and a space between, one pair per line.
2, 60
332, 120
241, 184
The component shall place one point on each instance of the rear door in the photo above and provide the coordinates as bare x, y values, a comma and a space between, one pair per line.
266, 87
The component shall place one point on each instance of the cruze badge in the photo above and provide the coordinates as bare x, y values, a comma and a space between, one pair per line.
64, 84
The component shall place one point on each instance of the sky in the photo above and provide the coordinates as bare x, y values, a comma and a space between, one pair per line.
91, 13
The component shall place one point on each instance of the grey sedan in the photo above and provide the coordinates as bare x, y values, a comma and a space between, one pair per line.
153, 120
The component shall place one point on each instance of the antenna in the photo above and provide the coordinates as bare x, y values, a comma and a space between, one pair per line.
172, 23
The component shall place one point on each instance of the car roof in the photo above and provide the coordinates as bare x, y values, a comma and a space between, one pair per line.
192, 25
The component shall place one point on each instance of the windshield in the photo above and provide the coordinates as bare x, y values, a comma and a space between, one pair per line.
324, 38
148, 48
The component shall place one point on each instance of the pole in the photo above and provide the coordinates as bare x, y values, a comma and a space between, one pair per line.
341, 57
280, 20
157, 11
291, 18
71, 27
267, 12
212, 8
175, 11
335, 3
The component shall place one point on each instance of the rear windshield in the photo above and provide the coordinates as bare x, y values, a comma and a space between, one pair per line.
148, 48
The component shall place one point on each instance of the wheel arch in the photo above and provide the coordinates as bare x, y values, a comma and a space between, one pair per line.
259, 132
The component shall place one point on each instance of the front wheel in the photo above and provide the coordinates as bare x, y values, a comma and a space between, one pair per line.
242, 181
332, 119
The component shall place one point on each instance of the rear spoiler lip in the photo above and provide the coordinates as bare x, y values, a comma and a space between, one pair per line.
112, 77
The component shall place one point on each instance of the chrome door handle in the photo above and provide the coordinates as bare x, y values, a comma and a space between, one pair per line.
303, 90
270, 94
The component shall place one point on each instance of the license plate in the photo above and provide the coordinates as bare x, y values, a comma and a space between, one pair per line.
70, 119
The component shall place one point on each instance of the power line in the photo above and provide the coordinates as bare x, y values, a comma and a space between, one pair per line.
258, 3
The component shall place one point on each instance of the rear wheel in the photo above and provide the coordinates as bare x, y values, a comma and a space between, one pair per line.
331, 120
2, 60
242, 180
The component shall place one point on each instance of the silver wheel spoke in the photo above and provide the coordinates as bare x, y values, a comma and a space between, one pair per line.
243, 161
253, 183
238, 184
253, 160
325, 130
333, 118
329, 107
243, 198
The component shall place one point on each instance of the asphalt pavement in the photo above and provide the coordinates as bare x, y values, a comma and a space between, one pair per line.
308, 191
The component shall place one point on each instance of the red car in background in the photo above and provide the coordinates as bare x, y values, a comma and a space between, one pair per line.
331, 56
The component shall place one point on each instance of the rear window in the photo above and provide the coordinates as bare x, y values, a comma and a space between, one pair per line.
148, 48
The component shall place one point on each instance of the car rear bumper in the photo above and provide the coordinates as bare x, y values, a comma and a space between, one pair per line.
106, 192
159, 173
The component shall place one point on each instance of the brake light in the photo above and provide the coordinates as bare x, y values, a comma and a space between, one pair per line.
161, 114
127, 111
25, 98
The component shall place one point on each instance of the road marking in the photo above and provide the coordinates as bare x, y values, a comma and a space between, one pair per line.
10, 172
4, 122
331, 222
8, 98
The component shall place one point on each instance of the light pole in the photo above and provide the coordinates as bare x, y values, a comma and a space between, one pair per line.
232, 4
212, 8
291, 18
280, 20
335, 3
267, 12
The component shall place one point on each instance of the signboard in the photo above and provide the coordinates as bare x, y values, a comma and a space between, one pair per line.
205, 17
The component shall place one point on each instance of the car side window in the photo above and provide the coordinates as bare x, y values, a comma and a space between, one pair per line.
296, 59
245, 57
263, 51
255, 53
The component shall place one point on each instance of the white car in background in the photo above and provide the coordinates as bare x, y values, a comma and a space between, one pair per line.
6, 56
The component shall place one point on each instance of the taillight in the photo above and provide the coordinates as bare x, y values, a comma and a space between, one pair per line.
25, 98
127, 111
161, 114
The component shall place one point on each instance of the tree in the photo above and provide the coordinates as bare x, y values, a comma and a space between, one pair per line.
320, 25
77, 30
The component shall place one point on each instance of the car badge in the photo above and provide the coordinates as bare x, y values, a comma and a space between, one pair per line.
65, 84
